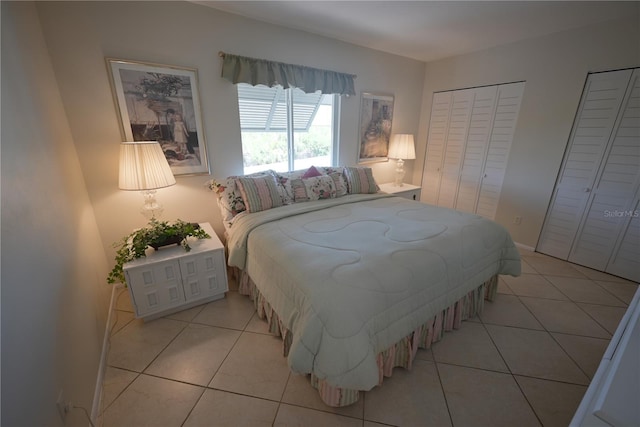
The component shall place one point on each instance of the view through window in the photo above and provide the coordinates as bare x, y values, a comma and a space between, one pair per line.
286, 129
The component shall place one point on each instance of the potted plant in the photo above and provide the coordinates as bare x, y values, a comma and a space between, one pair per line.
156, 234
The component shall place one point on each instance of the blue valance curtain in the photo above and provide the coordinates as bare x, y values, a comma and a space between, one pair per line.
242, 69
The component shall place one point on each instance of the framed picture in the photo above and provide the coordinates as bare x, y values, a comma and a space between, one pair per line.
376, 115
160, 103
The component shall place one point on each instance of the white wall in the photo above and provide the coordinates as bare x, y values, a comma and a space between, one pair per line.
81, 34
54, 296
555, 68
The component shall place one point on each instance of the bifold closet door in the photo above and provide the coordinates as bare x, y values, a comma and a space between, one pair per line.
508, 100
625, 261
454, 149
437, 140
613, 200
592, 216
470, 134
483, 111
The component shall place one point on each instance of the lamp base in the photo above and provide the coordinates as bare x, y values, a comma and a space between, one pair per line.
399, 173
151, 208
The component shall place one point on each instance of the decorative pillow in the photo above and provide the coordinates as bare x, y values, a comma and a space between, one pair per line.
339, 182
360, 180
284, 184
230, 198
284, 180
311, 172
316, 188
328, 170
259, 194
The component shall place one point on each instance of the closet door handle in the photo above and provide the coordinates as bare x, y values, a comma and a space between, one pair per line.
586, 190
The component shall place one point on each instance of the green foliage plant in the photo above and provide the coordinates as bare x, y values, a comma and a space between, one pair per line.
155, 234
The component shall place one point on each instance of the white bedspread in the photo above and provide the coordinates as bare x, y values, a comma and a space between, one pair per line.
352, 276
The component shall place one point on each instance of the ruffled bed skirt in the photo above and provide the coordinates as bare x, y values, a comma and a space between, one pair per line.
400, 354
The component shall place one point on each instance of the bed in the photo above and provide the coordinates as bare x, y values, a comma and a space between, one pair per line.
355, 283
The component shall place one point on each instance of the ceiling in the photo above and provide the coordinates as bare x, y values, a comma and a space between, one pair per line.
430, 30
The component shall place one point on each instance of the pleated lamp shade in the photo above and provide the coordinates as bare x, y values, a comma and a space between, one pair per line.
143, 166
402, 147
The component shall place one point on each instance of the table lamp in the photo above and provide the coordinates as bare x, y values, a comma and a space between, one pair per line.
401, 148
144, 167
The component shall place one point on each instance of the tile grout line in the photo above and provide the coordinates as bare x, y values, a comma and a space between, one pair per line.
575, 266
141, 372
194, 406
192, 322
569, 299
577, 304
228, 353
550, 333
116, 310
511, 373
582, 302
121, 392
597, 321
444, 393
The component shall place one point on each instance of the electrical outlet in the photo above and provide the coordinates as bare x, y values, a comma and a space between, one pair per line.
63, 407
517, 220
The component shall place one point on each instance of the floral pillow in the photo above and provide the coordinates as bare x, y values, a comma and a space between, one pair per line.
229, 200
340, 183
328, 170
315, 188
259, 193
284, 184
360, 180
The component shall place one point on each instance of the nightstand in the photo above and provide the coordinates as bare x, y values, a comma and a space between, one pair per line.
407, 191
171, 279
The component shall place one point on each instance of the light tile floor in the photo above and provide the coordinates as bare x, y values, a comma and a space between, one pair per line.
527, 360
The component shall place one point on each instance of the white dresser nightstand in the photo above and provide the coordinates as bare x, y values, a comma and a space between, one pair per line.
407, 191
171, 279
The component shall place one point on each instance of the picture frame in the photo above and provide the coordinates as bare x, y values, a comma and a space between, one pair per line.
376, 118
161, 103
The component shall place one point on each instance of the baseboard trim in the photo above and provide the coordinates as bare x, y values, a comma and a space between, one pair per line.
525, 247
97, 394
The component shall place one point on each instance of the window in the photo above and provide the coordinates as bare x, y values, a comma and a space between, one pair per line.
287, 129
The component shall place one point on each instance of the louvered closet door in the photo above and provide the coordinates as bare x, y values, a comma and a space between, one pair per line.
625, 261
593, 127
438, 131
475, 152
509, 98
470, 134
461, 107
613, 199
